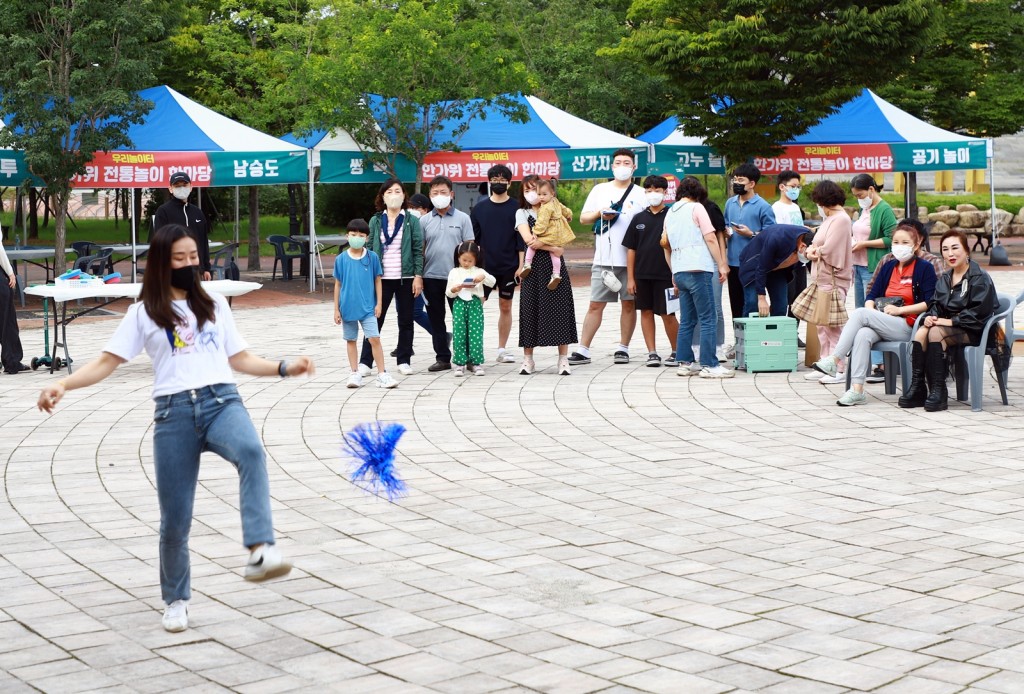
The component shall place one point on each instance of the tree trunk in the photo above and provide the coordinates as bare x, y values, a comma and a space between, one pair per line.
60, 261
45, 198
254, 229
33, 213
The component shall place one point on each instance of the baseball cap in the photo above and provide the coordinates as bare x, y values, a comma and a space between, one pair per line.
180, 177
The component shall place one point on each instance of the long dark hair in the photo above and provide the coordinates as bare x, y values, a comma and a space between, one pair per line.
156, 283
378, 202
528, 178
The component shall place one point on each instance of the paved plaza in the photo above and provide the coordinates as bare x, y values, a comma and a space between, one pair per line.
617, 530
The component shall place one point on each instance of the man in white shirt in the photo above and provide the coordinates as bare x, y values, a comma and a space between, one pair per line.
614, 203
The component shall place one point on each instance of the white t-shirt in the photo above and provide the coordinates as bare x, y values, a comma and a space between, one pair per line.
787, 214
602, 197
184, 358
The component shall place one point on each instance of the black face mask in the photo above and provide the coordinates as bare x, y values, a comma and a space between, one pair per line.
739, 188
184, 278
499, 188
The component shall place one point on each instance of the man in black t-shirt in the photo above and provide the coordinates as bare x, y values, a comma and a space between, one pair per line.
648, 273
494, 226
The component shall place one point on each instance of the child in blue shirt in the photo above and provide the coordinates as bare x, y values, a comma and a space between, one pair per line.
357, 293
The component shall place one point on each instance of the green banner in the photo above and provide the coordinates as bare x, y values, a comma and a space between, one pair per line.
12, 168
258, 168
939, 156
593, 163
684, 160
354, 167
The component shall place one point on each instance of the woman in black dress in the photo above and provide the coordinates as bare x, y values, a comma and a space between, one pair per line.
547, 317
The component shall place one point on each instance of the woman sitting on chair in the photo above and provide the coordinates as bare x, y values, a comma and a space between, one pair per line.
901, 290
965, 298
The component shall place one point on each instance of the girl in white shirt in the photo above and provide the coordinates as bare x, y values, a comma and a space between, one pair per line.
466, 286
191, 338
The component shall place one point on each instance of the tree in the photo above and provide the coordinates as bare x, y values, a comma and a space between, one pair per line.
752, 74
235, 57
69, 71
970, 78
610, 90
391, 74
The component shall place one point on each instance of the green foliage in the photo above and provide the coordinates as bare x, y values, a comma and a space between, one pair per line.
432, 60
69, 70
771, 68
337, 204
970, 79
607, 89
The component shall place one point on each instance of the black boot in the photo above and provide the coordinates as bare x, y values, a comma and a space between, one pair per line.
917, 392
935, 366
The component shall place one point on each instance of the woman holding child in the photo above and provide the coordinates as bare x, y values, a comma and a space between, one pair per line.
547, 316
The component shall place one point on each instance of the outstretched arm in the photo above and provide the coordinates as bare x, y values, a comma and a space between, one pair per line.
249, 363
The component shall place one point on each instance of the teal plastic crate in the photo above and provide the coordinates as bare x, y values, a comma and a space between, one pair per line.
765, 344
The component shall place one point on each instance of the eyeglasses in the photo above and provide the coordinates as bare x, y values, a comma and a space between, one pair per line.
497, 180
797, 187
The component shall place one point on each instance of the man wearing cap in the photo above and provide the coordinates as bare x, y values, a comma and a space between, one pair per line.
177, 210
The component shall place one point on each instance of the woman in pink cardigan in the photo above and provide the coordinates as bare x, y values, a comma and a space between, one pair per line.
832, 256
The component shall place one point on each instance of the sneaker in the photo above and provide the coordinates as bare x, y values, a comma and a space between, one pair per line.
716, 372
554, 282
851, 398
386, 380
670, 360
575, 359
266, 561
527, 367
525, 272
827, 380
653, 360
436, 366
405, 369
460, 371
355, 380
478, 371
730, 351
877, 375
826, 365
621, 357
563, 367
505, 357
812, 376
364, 370
687, 368
176, 616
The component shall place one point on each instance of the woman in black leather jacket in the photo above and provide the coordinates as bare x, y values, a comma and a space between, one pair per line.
965, 298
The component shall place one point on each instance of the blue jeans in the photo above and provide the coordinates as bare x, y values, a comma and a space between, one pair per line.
186, 424
419, 314
777, 286
696, 303
719, 315
861, 280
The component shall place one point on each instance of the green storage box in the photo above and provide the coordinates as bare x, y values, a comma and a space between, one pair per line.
765, 344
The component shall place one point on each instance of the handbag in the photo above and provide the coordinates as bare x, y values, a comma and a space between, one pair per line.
601, 225
821, 306
611, 281
883, 301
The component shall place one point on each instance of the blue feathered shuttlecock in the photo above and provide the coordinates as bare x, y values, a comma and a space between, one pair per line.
372, 447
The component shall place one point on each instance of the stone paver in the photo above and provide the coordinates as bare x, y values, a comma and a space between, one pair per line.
617, 530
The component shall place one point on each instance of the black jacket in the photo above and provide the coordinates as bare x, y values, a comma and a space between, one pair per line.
174, 211
969, 303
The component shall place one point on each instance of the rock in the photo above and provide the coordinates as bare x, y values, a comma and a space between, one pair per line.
1013, 230
972, 219
1003, 218
938, 229
898, 211
948, 217
966, 207
1019, 219
942, 208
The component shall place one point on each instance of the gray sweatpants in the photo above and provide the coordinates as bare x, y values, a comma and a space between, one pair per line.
865, 327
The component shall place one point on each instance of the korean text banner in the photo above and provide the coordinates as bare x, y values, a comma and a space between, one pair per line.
852, 159
563, 164
686, 160
355, 167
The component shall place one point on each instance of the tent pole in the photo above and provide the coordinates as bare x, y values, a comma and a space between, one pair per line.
910, 195
236, 214
992, 190
134, 237
312, 230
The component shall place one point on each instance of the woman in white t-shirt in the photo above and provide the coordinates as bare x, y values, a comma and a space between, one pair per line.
191, 338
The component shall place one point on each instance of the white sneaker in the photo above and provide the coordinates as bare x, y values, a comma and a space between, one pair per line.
812, 375
840, 377
505, 357
176, 616
386, 380
364, 370
354, 380
687, 368
716, 372
460, 371
478, 371
266, 561
405, 369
